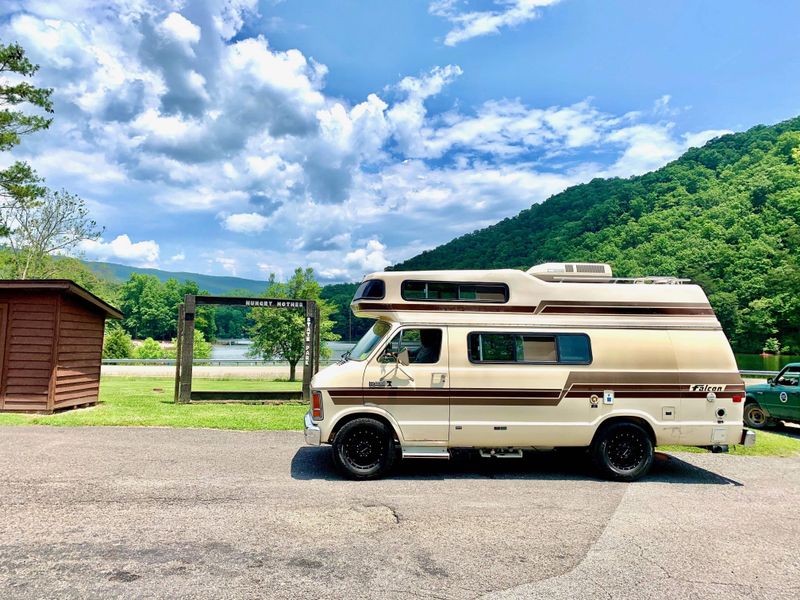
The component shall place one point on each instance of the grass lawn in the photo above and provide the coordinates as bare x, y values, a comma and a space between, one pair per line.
147, 401
767, 444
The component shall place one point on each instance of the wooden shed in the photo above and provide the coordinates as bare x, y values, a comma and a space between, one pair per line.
51, 344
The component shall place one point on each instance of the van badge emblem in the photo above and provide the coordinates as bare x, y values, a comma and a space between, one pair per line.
380, 384
608, 397
704, 387
594, 400
784, 397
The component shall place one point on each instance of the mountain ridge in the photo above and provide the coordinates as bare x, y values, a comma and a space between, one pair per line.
213, 284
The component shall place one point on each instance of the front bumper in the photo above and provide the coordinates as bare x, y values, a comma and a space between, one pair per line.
311, 431
748, 437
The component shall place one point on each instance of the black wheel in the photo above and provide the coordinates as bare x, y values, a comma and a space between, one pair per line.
754, 416
623, 452
364, 449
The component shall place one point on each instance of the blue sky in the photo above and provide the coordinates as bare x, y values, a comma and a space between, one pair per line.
244, 137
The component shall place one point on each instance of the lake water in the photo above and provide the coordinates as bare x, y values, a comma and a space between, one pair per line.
238, 350
757, 362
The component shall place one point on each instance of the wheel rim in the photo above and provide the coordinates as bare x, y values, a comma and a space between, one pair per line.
756, 416
625, 451
363, 448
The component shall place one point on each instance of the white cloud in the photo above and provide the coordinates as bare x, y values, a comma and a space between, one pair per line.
181, 29
245, 223
468, 25
229, 264
695, 140
174, 107
144, 254
371, 257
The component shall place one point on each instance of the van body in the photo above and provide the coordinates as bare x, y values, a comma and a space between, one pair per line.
563, 355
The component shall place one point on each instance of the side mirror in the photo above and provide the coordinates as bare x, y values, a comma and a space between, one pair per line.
771, 381
403, 358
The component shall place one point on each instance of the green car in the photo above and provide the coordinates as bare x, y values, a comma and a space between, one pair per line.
776, 400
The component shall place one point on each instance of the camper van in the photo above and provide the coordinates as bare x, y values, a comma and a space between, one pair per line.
564, 355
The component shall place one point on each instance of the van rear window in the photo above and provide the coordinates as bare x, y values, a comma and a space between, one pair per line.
454, 292
530, 348
372, 289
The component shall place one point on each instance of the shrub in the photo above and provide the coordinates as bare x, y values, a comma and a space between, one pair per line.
772, 346
117, 343
149, 349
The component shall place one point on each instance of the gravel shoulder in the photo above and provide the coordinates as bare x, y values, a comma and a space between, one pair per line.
138, 512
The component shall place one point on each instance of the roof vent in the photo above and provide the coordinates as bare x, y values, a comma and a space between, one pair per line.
571, 271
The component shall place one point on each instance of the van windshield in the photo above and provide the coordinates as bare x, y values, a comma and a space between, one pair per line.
365, 345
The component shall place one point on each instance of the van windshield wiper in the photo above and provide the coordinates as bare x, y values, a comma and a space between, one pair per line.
345, 356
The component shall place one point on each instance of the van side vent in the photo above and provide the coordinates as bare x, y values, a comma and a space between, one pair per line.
578, 271
600, 269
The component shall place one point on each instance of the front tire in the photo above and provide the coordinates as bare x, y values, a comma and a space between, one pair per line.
623, 452
364, 449
755, 417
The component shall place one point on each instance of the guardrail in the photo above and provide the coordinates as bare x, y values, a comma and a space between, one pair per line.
219, 362
759, 373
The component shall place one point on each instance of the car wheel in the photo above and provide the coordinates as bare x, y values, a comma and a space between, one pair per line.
364, 449
754, 416
623, 452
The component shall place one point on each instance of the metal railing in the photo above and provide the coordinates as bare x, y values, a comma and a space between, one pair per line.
747, 372
216, 362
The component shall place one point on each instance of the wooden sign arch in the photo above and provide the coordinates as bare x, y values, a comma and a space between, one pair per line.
185, 348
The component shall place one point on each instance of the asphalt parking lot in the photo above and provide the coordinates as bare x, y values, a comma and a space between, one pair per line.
112, 512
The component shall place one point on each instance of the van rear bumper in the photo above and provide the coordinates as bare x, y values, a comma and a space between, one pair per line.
311, 432
748, 437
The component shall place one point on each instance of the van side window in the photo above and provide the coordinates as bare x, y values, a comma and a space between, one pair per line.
454, 292
424, 345
560, 348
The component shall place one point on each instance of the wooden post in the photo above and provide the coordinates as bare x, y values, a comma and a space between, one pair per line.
187, 349
308, 349
178, 346
318, 339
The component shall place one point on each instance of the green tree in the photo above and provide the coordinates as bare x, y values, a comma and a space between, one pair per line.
19, 184
346, 325
55, 224
280, 332
117, 343
147, 309
149, 349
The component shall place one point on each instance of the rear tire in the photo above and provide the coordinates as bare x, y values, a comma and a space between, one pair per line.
755, 417
622, 452
364, 449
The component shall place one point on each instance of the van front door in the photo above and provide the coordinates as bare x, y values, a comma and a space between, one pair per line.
416, 394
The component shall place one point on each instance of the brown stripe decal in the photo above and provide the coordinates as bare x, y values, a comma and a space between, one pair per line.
553, 307
579, 384
469, 308
650, 309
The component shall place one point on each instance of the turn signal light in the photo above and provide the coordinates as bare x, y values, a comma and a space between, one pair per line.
738, 398
316, 405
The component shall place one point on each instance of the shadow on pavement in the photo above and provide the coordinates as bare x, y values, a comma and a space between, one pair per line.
316, 463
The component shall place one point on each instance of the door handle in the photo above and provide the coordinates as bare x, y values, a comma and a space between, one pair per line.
440, 377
